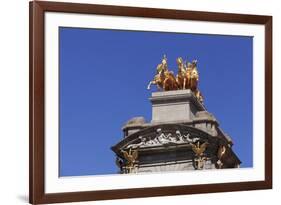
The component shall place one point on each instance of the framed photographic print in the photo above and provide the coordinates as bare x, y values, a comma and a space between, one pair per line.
138, 102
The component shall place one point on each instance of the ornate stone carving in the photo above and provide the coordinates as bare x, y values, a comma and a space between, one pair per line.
161, 138
199, 162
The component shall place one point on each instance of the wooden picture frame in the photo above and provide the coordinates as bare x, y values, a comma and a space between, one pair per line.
37, 193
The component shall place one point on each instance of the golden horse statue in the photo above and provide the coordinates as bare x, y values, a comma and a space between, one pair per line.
164, 79
194, 79
187, 77
181, 76
193, 75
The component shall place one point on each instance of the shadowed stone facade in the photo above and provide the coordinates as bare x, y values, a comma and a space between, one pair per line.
182, 135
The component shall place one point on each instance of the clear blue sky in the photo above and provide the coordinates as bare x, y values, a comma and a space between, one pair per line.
103, 79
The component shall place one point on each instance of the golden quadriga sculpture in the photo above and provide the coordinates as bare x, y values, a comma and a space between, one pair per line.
187, 77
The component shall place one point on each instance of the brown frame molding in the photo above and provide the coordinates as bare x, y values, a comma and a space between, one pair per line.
37, 9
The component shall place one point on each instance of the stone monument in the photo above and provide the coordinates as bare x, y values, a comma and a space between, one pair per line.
182, 134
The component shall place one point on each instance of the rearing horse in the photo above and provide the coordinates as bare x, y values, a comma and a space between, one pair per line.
158, 80
164, 79
170, 82
193, 76
181, 76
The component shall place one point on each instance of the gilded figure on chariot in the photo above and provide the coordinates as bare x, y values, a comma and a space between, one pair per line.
186, 78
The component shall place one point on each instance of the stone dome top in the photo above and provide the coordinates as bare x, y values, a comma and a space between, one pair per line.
136, 121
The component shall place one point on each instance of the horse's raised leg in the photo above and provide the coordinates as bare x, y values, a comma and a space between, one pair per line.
149, 84
184, 82
158, 87
187, 83
165, 86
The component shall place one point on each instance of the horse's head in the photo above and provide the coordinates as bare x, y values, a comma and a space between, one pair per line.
188, 65
164, 61
194, 73
179, 61
194, 63
180, 64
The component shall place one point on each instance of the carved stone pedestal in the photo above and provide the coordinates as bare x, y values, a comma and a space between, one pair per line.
174, 106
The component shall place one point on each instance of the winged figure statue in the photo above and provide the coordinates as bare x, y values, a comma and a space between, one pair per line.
130, 156
199, 149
